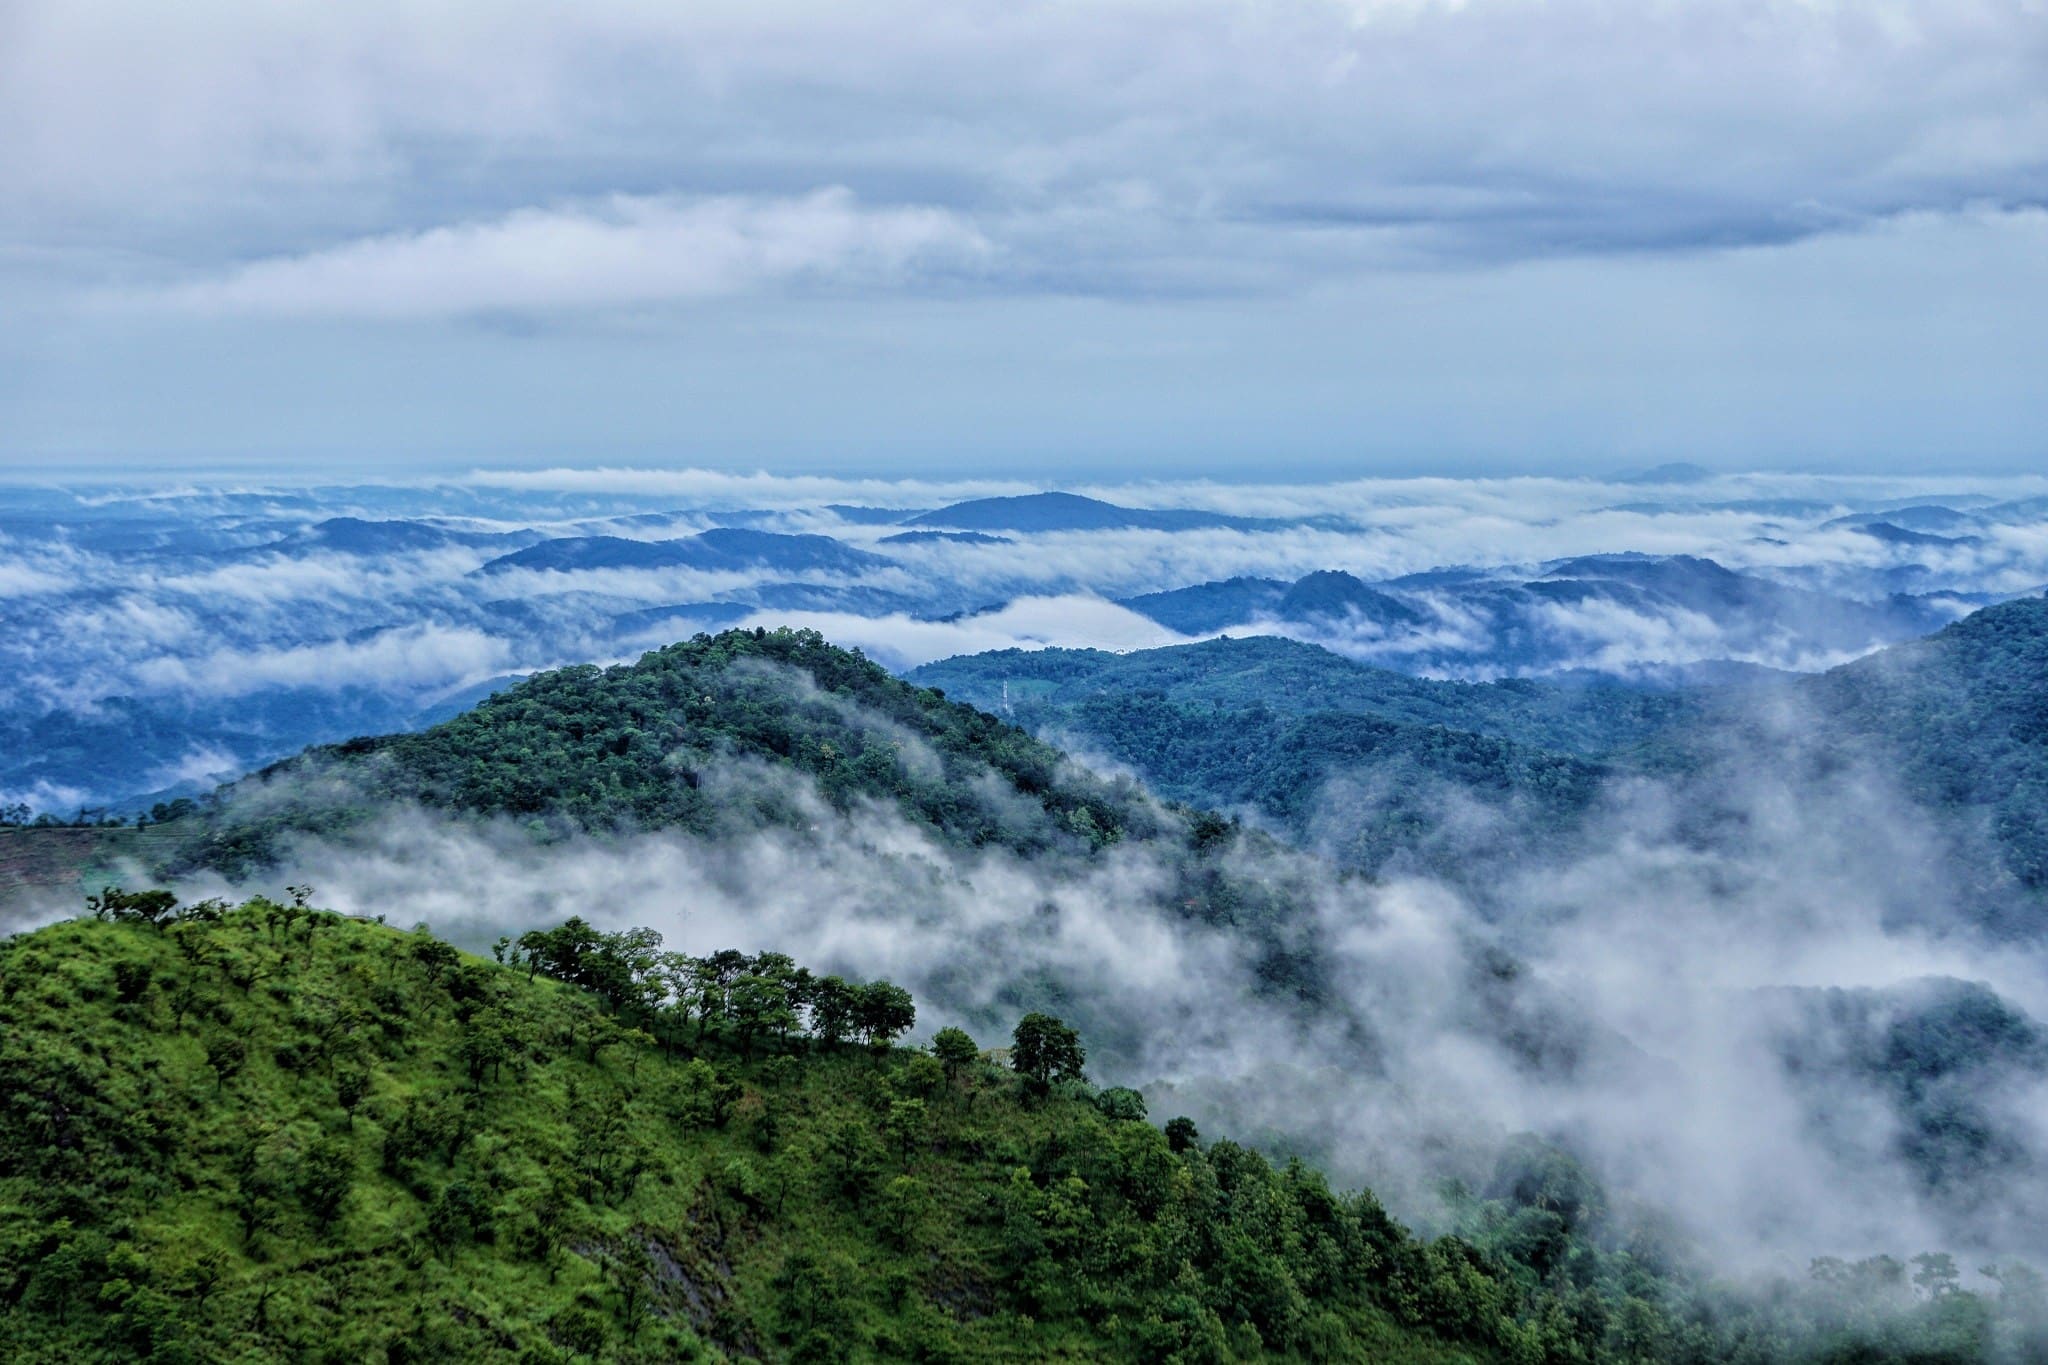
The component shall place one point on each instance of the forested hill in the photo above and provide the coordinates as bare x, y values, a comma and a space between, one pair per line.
275, 1133
692, 736
1360, 762
1348, 756
1586, 719
1962, 716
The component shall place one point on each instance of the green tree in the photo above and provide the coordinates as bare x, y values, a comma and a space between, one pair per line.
1045, 1051
351, 1088
831, 1010
883, 1011
326, 1175
225, 1053
906, 1125
955, 1050
1121, 1104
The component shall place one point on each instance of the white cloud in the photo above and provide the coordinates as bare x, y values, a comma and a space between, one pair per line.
620, 252
21, 579
406, 658
1076, 621
1217, 141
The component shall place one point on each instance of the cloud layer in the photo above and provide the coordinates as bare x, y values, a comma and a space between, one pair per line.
620, 252
227, 623
1107, 144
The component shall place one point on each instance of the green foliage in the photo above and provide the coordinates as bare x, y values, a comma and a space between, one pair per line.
639, 1168
1045, 1051
1265, 724
1961, 719
270, 1132
634, 746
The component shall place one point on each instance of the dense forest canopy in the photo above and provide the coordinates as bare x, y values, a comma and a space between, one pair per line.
628, 747
1278, 728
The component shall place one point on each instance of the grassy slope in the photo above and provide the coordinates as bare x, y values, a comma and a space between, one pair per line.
128, 1164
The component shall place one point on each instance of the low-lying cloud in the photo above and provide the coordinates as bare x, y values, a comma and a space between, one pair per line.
197, 599
1660, 985
403, 659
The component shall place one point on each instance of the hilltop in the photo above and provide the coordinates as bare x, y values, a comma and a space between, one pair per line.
681, 738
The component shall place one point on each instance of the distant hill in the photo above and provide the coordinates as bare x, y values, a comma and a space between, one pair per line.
1473, 621
940, 537
355, 536
1959, 718
152, 748
627, 747
1072, 512
1589, 718
1357, 761
1332, 596
1208, 607
1962, 718
1891, 534
722, 548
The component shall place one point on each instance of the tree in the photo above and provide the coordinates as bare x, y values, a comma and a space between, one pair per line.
1181, 1134
351, 1088
831, 1009
1121, 1104
955, 1050
758, 1005
905, 1206
920, 1076
710, 977
906, 1124
434, 955
225, 1053
1937, 1274
484, 1047
631, 1270
150, 907
882, 1011
327, 1172
1045, 1051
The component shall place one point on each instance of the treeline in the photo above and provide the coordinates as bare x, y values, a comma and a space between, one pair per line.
22, 815
674, 996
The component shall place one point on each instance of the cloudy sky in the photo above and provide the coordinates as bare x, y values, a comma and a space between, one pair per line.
1212, 236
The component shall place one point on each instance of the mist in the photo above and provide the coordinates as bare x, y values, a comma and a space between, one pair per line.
1680, 1007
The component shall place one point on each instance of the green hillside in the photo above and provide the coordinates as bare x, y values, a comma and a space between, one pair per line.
274, 1133
1585, 719
1264, 724
645, 745
1959, 719
1962, 716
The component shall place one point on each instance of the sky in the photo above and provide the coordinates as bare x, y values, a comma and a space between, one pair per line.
1207, 238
